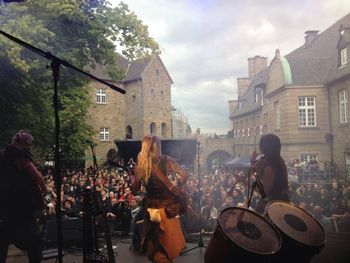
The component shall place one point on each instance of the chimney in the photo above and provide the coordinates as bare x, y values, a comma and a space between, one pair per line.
255, 65
242, 85
309, 37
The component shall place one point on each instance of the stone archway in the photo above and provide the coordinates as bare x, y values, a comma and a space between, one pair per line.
217, 158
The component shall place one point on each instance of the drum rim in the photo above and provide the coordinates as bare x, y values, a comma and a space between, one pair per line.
277, 232
324, 239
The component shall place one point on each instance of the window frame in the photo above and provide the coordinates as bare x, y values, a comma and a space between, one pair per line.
305, 109
104, 134
277, 115
343, 106
100, 94
343, 57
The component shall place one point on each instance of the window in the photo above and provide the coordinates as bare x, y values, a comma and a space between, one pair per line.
153, 94
343, 106
307, 157
152, 128
307, 111
239, 104
277, 116
133, 98
343, 57
104, 134
164, 130
101, 96
157, 72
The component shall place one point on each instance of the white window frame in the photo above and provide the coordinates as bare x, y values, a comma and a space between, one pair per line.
343, 106
101, 96
343, 57
104, 134
307, 111
308, 156
277, 115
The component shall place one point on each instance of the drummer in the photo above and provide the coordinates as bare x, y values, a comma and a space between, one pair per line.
273, 169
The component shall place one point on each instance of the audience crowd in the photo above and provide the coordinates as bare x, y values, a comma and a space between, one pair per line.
327, 201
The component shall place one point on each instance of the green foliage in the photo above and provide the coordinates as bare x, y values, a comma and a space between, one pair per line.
85, 33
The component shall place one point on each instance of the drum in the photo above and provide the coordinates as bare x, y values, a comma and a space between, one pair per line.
302, 235
242, 235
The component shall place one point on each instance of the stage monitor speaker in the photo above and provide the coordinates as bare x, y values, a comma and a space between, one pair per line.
183, 151
72, 231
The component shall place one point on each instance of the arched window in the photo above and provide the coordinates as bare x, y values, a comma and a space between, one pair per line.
164, 130
153, 128
128, 132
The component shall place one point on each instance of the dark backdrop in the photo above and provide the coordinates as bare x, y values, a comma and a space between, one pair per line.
183, 151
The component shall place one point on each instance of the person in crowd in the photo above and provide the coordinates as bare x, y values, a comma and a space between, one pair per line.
210, 214
325, 221
162, 232
272, 170
20, 226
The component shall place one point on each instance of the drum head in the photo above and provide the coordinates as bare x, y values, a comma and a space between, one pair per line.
249, 230
296, 223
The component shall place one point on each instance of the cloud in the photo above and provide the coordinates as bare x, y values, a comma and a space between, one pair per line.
205, 45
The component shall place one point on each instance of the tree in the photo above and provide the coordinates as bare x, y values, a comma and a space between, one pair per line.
85, 33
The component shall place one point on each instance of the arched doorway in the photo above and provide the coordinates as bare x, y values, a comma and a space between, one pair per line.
128, 132
216, 159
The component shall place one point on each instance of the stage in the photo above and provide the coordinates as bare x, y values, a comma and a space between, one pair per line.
336, 250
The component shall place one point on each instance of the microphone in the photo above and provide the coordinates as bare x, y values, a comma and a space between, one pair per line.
259, 184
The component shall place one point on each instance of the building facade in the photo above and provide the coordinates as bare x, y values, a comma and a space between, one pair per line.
144, 108
301, 97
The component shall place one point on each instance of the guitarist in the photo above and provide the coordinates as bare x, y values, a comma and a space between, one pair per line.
18, 222
162, 237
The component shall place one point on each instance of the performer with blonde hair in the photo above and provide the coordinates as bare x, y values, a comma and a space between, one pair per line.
162, 237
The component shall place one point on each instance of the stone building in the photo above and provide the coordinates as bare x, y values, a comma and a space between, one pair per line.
180, 125
144, 108
302, 97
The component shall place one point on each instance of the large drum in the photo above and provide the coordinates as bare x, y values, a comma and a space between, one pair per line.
302, 235
242, 235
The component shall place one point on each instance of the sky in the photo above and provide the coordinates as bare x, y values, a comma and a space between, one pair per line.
205, 45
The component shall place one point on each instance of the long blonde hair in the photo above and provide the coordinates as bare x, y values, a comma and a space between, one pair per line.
149, 155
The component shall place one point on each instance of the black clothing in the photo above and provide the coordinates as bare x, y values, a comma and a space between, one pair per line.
18, 218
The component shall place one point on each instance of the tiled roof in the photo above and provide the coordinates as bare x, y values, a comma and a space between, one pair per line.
317, 63
136, 69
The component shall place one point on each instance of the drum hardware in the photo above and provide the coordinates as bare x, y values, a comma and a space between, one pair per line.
244, 234
302, 236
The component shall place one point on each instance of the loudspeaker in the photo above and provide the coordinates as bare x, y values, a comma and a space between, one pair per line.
72, 231
183, 151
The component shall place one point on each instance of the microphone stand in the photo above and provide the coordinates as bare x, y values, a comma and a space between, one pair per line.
250, 194
200, 241
56, 62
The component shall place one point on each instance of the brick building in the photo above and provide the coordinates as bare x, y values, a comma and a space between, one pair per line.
145, 108
302, 97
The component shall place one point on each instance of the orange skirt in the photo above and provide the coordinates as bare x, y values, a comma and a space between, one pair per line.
171, 236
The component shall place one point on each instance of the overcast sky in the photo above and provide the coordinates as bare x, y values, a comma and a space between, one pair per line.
205, 45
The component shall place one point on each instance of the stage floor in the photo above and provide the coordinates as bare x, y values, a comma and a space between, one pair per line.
336, 250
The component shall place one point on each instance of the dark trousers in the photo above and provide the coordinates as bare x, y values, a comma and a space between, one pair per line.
25, 235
